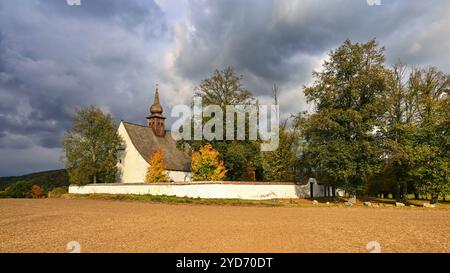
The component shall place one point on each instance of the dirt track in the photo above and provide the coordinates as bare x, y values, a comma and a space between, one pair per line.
125, 226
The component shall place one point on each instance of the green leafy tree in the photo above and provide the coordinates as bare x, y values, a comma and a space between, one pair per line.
431, 150
281, 164
20, 189
398, 128
91, 146
224, 88
432, 172
241, 158
340, 144
415, 133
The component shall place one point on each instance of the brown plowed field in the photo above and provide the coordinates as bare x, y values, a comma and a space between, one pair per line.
126, 226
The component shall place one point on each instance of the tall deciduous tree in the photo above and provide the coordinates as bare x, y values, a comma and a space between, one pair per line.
398, 129
281, 164
156, 172
241, 158
224, 88
90, 147
341, 145
431, 151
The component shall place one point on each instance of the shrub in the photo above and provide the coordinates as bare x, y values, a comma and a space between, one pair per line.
21, 189
57, 192
36, 192
3, 194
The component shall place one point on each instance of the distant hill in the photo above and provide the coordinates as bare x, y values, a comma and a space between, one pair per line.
46, 180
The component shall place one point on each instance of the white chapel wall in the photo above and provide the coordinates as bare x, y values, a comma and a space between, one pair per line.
132, 166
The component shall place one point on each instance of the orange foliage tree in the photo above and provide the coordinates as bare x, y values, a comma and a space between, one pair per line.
156, 172
206, 165
36, 192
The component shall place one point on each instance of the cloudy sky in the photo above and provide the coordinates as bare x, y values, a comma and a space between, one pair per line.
55, 57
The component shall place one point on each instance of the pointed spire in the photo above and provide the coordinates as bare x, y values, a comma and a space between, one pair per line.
156, 119
156, 107
156, 100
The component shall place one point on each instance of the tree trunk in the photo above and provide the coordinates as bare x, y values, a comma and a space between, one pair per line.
397, 193
416, 196
404, 191
434, 199
94, 161
333, 188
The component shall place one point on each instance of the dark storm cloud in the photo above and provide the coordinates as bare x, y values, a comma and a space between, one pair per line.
263, 36
284, 41
55, 57
135, 15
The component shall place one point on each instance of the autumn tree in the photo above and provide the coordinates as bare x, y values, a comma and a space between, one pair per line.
36, 192
156, 172
90, 147
340, 142
206, 165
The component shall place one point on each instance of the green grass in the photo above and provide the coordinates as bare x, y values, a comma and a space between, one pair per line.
411, 197
232, 202
176, 200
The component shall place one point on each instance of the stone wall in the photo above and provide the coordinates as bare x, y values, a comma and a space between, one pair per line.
224, 190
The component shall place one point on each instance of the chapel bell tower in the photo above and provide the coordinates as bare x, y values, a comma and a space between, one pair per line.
156, 119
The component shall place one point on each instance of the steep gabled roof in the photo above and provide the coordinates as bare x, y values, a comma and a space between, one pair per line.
146, 142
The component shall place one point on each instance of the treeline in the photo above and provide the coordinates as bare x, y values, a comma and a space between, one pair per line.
375, 131
34, 185
47, 180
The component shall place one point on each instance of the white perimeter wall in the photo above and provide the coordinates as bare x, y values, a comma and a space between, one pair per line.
254, 191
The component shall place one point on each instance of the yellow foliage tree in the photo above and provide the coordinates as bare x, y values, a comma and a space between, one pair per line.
156, 172
206, 165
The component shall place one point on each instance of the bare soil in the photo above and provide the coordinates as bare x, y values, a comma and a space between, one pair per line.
128, 226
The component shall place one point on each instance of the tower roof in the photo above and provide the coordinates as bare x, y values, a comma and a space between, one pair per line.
156, 108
